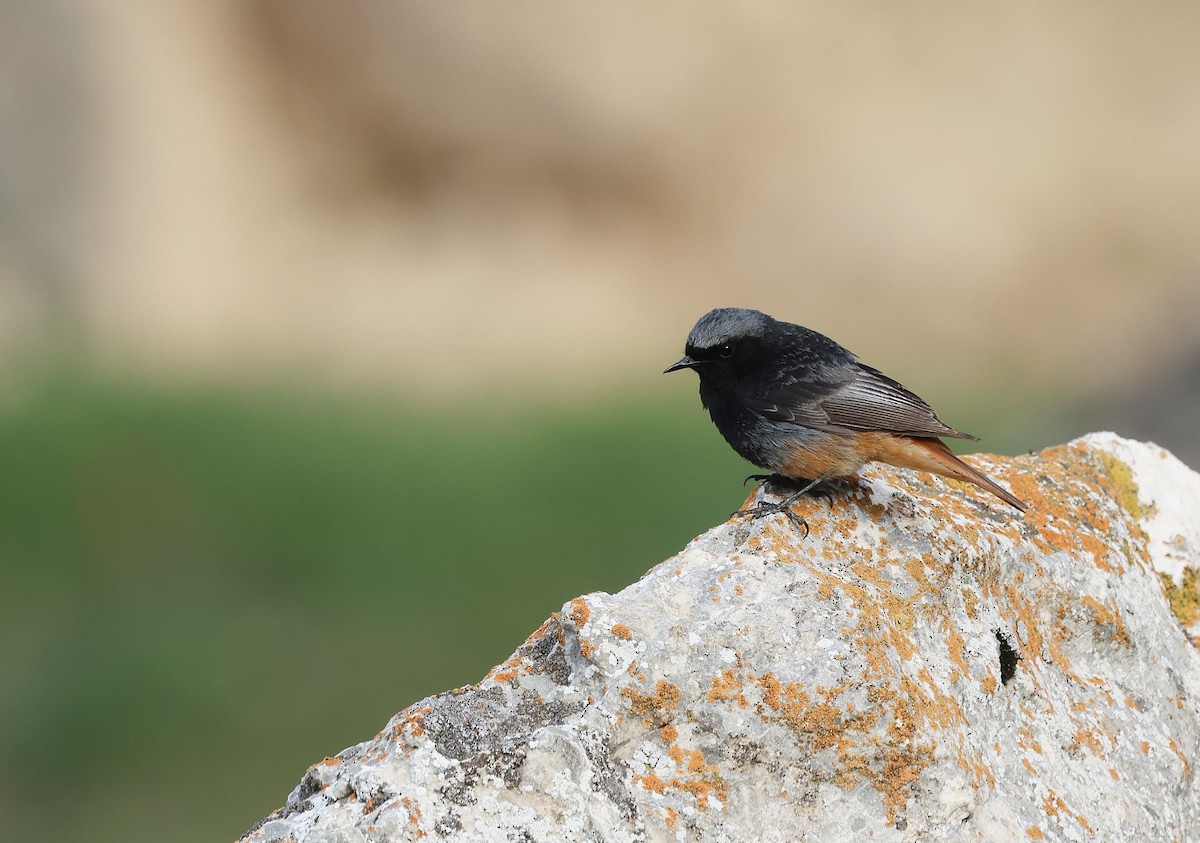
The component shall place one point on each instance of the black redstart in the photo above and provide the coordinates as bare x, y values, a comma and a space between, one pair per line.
796, 403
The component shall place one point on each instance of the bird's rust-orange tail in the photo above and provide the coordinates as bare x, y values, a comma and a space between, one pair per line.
928, 454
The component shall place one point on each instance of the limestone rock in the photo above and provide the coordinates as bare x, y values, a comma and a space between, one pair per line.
924, 665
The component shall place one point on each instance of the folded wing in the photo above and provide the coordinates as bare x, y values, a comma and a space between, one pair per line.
863, 399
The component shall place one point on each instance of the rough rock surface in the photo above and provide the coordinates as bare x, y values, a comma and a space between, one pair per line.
924, 665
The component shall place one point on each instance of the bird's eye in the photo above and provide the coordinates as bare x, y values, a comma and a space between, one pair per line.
725, 351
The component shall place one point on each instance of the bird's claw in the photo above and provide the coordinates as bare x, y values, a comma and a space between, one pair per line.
784, 507
761, 478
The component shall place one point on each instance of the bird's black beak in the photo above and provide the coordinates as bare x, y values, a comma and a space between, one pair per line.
685, 363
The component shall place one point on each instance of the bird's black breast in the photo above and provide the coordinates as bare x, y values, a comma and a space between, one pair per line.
748, 433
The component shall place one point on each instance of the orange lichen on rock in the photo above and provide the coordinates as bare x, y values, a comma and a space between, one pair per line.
1077, 470
620, 630
507, 671
890, 761
822, 725
727, 687
547, 625
580, 612
955, 646
695, 776
414, 815
1054, 805
1106, 616
666, 697
1187, 767
974, 766
692, 759
1088, 739
904, 755
413, 723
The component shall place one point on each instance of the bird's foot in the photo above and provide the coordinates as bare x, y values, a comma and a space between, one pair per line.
765, 478
784, 506
792, 483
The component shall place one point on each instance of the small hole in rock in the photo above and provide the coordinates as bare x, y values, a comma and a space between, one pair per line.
1008, 657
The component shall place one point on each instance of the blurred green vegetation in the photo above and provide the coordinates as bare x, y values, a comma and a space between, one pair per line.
205, 591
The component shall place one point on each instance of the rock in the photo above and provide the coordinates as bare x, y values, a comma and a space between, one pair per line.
924, 665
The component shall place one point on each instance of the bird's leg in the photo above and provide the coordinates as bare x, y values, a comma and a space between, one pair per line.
821, 486
773, 479
785, 505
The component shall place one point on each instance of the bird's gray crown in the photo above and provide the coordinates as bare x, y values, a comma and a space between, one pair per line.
726, 324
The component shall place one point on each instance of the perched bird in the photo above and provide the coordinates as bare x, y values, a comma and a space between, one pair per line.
798, 404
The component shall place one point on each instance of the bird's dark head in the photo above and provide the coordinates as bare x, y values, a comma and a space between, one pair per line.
723, 344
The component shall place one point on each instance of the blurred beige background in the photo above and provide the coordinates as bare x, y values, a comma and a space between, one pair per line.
510, 196
292, 294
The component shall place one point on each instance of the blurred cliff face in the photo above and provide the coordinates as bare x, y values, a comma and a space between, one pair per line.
444, 194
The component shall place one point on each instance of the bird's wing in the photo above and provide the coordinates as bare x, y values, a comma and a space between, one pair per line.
862, 398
